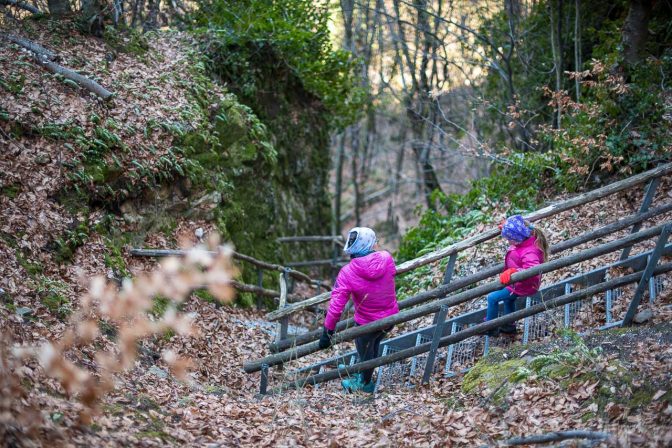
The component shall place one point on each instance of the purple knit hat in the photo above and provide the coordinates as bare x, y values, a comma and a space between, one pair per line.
515, 229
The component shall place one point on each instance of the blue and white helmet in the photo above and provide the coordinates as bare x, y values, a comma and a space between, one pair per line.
360, 241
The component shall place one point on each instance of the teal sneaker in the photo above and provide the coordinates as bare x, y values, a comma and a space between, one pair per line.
349, 384
355, 385
369, 387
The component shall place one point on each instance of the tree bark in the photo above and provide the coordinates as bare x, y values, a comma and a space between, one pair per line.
59, 8
635, 30
152, 21
577, 48
92, 13
340, 157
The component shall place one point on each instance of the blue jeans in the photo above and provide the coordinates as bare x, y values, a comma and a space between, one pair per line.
505, 296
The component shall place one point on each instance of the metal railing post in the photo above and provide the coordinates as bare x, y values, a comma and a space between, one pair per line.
646, 275
436, 337
448, 275
263, 382
646, 203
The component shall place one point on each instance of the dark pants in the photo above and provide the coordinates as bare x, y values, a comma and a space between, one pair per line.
367, 348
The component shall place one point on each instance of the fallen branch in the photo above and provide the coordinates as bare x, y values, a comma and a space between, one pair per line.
31, 46
21, 5
244, 287
238, 256
557, 437
46, 58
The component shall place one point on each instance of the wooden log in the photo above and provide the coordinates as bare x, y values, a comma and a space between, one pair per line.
557, 436
545, 212
433, 307
21, 5
479, 276
84, 82
236, 255
45, 58
311, 239
323, 262
244, 287
31, 46
471, 331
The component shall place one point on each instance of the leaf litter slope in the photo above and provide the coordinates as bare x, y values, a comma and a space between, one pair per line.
151, 407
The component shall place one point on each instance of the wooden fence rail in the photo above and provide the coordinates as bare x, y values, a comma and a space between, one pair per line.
471, 331
483, 274
433, 307
453, 249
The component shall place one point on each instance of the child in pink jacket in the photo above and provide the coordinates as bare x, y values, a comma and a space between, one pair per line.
528, 248
369, 280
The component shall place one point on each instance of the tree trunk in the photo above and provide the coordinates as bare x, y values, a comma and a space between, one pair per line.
59, 8
152, 21
635, 30
400, 156
340, 157
354, 141
92, 14
556, 20
577, 47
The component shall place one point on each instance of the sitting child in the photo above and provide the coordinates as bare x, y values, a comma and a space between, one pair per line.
528, 248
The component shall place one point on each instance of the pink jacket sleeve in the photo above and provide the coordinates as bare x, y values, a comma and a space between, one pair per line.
339, 298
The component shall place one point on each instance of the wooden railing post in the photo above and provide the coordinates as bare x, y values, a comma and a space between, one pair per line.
281, 327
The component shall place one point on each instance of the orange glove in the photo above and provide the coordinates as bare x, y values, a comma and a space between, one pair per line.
505, 277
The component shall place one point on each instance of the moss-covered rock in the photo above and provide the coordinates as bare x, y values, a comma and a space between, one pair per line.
491, 375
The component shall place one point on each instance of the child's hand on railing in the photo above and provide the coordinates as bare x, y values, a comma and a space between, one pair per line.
505, 277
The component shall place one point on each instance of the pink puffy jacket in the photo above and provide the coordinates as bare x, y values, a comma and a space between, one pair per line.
524, 256
370, 282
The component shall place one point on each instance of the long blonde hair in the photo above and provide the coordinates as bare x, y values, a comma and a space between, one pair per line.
542, 241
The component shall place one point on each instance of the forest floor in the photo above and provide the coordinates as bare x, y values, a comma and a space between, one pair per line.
625, 390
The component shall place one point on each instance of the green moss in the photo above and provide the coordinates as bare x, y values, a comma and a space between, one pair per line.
214, 390
490, 375
10, 191
53, 295
640, 397
160, 305
66, 245
587, 417
130, 41
205, 296
114, 259
33, 268
12, 83
453, 403
8, 302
